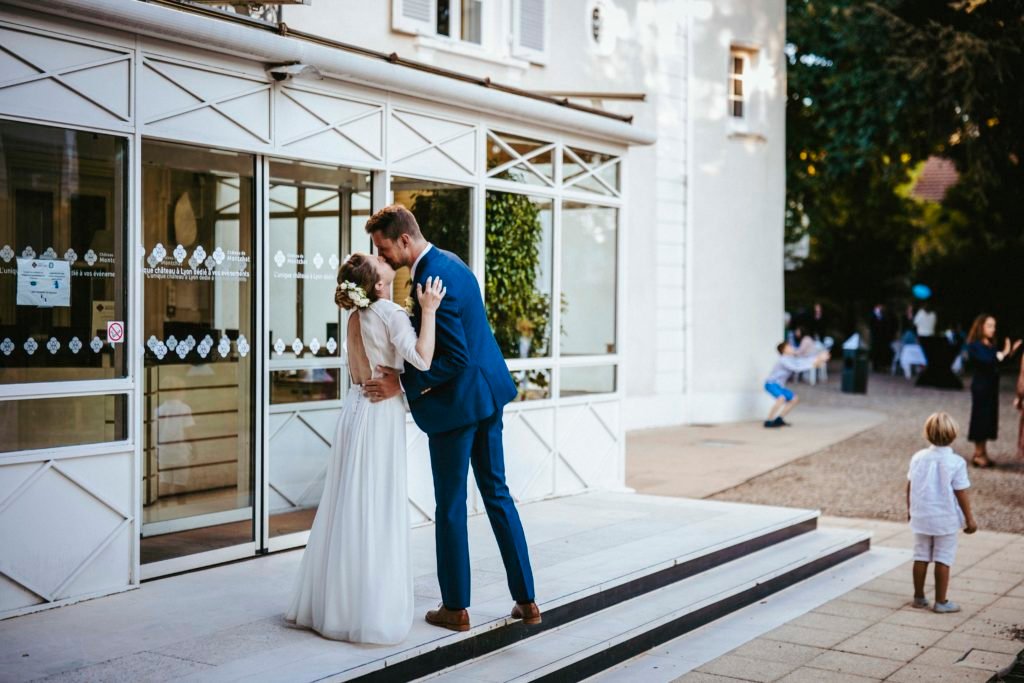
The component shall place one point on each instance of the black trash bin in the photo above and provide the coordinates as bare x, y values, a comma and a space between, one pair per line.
855, 371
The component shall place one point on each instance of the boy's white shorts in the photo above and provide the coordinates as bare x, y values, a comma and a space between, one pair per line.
929, 548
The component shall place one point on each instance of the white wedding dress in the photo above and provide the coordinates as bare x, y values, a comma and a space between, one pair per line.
355, 581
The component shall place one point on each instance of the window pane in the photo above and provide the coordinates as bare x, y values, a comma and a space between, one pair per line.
517, 273
737, 109
581, 176
536, 170
70, 421
62, 226
444, 17
472, 21
533, 385
198, 303
589, 262
443, 214
581, 381
306, 237
737, 65
308, 384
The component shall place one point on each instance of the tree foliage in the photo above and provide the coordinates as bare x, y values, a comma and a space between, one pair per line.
874, 89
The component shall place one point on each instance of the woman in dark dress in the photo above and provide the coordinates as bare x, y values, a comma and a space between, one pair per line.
984, 360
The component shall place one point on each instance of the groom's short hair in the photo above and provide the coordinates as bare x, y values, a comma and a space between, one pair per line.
393, 221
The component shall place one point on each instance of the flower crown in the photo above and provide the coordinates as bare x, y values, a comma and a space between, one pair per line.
355, 292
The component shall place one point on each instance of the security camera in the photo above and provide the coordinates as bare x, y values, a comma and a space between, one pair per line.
286, 72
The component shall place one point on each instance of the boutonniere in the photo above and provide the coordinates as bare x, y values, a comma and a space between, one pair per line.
409, 304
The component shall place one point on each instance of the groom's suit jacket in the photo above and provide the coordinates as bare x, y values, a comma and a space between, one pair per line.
468, 380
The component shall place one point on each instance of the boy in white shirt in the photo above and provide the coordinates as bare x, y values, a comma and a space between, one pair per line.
937, 507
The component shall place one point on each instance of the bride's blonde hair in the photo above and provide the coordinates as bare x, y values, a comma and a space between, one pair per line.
360, 270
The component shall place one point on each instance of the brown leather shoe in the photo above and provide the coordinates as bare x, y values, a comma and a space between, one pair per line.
528, 612
451, 619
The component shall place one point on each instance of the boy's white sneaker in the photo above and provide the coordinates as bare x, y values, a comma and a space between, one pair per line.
946, 607
921, 603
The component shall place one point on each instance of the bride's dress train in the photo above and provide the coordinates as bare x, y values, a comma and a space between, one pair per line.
355, 581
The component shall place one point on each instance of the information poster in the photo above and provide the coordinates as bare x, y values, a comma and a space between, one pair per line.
44, 282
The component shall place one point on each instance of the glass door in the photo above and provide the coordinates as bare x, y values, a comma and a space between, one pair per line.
313, 212
198, 478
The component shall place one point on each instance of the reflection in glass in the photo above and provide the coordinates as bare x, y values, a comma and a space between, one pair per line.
581, 381
63, 421
306, 384
589, 259
197, 208
533, 385
62, 207
443, 214
517, 273
591, 171
312, 210
519, 159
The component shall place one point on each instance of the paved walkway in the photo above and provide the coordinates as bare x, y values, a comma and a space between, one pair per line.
872, 633
697, 461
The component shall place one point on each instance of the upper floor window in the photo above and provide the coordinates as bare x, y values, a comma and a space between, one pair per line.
739, 72
467, 25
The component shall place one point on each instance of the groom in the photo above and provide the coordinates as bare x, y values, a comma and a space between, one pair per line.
458, 402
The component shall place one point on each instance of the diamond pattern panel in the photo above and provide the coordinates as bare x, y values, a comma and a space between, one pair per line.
529, 452
64, 79
204, 104
63, 529
589, 447
418, 143
300, 446
321, 125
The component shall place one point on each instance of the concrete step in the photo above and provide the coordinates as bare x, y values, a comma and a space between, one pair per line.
596, 640
610, 575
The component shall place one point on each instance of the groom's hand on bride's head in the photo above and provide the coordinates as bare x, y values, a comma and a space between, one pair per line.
384, 387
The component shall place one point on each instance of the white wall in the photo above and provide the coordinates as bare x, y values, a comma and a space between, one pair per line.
735, 298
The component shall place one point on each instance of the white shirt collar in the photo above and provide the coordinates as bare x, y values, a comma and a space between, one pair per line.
418, 259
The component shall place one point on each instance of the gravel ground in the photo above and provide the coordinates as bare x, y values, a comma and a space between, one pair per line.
865, 475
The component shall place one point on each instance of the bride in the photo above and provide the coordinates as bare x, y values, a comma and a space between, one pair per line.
355, 581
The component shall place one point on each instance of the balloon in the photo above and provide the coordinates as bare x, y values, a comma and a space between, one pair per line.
921, 291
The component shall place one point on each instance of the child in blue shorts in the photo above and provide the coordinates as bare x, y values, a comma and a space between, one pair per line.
787, 365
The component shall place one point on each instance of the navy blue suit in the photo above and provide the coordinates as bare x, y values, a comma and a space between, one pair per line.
458, 402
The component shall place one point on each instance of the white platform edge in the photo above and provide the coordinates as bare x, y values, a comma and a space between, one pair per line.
800, 516
684, 654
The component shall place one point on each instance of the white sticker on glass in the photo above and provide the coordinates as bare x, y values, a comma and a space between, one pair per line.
182, 351
210, 263
332, 345
90, 257
159, 252
333, 261
242, 345
314, 345
193, 262
71, 255
219, 256
30, 346
279, 258
152, 342
297, 346
49, 254
96, 345
53, 346
180, 254
279, 346
160, 351
318, 260
224, 347
75, 345
7, 253
7, 346
28, 252
190, 342
200, 254
172, 341
208, 340
202, 349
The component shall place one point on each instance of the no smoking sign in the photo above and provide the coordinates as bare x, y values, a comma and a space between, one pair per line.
115, 331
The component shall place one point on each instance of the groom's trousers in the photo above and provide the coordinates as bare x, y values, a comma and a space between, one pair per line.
450, 456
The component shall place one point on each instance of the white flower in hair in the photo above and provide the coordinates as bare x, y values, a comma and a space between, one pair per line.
356, 293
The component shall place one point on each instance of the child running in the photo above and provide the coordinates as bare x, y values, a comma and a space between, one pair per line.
937, 507
787, 365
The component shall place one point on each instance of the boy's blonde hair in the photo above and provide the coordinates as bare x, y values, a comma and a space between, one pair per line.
940, 429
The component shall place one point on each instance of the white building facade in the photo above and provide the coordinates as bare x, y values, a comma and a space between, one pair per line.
178, 185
